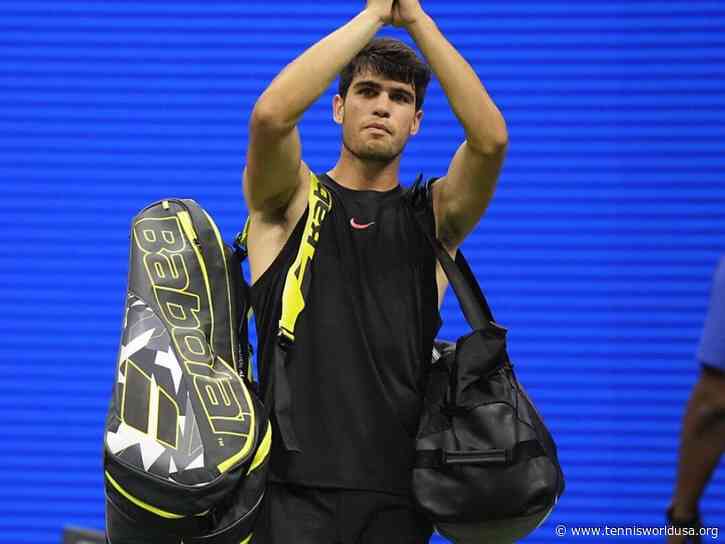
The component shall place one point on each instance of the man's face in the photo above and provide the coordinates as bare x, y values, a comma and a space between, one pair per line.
377, 116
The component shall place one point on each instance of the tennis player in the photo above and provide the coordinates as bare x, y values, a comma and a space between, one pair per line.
363, 342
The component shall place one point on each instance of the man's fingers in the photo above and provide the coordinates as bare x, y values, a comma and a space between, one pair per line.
382, 8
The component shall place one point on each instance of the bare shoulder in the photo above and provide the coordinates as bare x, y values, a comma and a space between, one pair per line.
270, 229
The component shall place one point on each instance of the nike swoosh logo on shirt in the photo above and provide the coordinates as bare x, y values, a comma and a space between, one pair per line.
356, 225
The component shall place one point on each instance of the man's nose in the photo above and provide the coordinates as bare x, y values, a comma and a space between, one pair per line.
382, 106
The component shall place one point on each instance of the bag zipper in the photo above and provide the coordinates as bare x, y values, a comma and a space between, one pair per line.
187, 226
220, 243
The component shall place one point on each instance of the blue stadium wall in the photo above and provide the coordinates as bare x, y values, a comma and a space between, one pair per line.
597, 251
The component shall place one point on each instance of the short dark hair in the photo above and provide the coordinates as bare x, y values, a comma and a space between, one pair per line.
392, 59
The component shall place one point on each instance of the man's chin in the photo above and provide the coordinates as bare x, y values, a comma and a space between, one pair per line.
377, 153
373, 151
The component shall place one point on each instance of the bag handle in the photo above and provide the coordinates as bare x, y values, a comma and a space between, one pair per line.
470, 297
439, 458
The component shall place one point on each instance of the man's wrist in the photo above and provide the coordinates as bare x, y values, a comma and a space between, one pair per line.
680, 512
377, 18
420, 24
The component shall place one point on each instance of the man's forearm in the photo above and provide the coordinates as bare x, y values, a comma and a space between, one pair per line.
482, 122
304, 80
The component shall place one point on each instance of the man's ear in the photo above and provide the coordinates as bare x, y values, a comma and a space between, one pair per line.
338, 109
415, 125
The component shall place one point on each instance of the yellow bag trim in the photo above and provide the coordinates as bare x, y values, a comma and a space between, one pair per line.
262, 449
249, 442
247, 540
140, 503
293, 302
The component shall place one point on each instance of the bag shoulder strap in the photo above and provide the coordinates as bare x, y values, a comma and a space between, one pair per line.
296, 285
277, 393
239, 255
467, 290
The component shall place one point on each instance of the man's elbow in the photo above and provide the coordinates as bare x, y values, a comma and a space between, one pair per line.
267, 117
490, 140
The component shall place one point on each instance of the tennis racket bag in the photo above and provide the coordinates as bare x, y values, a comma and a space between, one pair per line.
186, 438
486, 468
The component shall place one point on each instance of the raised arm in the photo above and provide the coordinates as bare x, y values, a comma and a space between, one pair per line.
461, 196
274, 169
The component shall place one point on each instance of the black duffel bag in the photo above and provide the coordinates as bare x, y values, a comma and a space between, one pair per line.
486, 468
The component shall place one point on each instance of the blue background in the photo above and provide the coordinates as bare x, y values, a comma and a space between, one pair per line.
597, 251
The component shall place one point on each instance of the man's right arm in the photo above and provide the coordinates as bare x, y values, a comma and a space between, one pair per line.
275, 171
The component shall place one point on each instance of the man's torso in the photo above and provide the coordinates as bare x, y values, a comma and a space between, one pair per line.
363, 342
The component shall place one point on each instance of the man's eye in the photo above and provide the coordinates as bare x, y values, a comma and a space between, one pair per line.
367, 92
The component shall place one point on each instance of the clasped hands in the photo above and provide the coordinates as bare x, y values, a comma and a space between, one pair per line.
402, 13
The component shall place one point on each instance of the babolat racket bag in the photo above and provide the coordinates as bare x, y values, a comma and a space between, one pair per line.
486, 468
186, 438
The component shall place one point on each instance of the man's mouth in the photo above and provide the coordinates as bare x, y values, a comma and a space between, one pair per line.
379, 126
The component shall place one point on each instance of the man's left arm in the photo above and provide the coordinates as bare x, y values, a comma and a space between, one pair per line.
462, 195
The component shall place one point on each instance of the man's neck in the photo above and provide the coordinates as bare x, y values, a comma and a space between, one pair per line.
357, 174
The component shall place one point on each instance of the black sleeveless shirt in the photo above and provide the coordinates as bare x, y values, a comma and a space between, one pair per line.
363, 343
